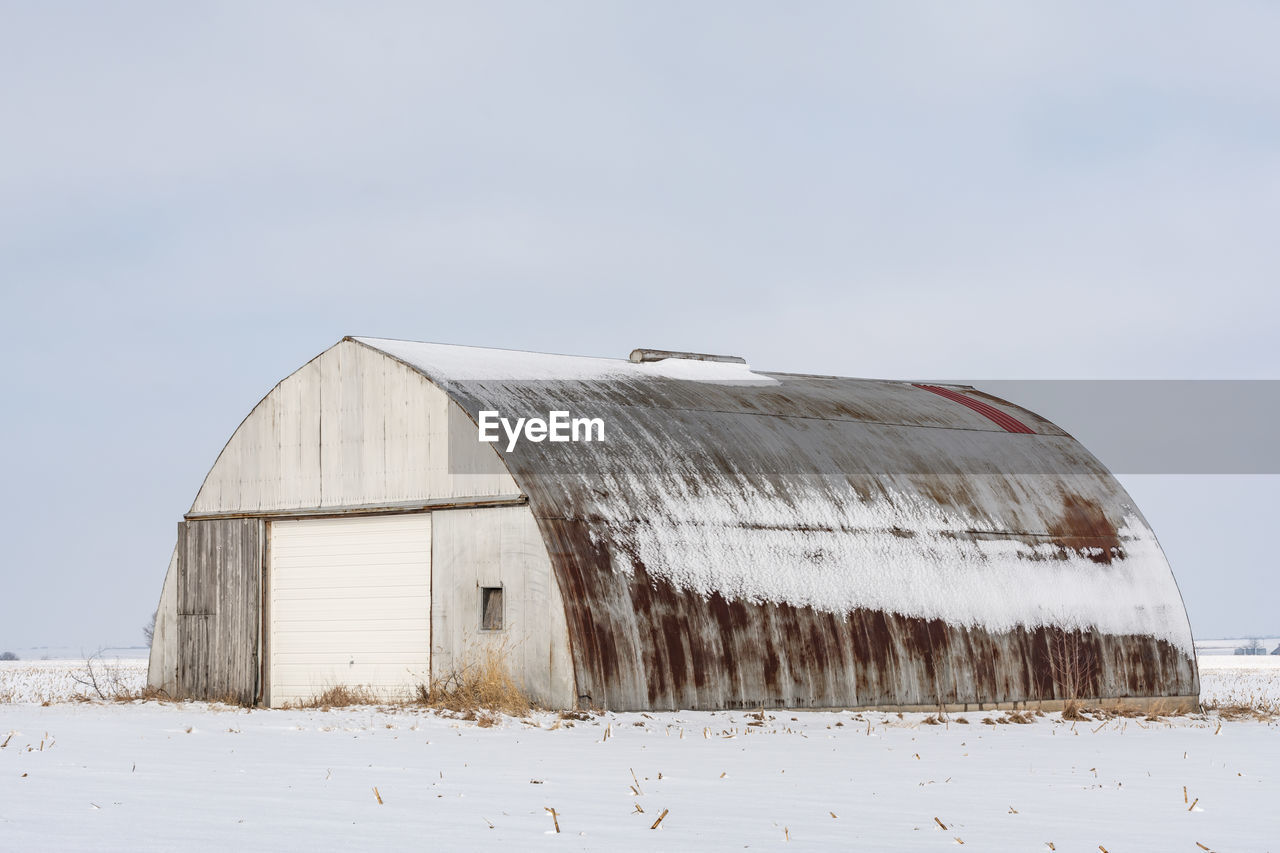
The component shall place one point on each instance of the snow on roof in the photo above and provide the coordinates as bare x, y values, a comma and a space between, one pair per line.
828, 493
464, 363
838, 556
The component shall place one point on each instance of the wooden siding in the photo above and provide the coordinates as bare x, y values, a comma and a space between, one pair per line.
499, 547
352, 427
162, 668
219, 572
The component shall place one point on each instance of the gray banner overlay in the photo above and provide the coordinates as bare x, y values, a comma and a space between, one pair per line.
801, 426
1177, 426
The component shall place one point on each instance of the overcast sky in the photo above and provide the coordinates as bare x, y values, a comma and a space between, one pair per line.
194, 202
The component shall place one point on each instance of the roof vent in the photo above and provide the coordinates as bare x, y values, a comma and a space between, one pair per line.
640, 356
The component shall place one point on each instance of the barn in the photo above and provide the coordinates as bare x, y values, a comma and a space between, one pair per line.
712, 537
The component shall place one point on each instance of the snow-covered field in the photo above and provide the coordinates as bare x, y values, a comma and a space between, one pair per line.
67, 680
146, 776
1248, 681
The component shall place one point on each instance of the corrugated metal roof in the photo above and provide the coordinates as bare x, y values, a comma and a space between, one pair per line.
726, 502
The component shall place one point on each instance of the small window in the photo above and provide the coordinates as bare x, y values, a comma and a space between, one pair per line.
491, 608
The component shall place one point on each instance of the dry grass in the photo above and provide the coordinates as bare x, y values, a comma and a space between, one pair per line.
340, 696
1020, 718
481, 686
482, 691
1264, 711
1237, 698
151, 694
1073, 710
1152, 712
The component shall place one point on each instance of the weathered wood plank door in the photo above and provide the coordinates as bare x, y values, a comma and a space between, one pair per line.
219, 608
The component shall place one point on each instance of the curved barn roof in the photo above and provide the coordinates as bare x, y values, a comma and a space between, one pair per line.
819, 492
744, 538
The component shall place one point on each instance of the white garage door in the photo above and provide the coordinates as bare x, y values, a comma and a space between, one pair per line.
349, 604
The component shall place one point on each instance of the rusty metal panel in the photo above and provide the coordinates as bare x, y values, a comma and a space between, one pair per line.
642, 644
792, 540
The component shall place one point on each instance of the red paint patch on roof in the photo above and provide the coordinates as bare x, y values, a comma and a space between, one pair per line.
1005, 421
